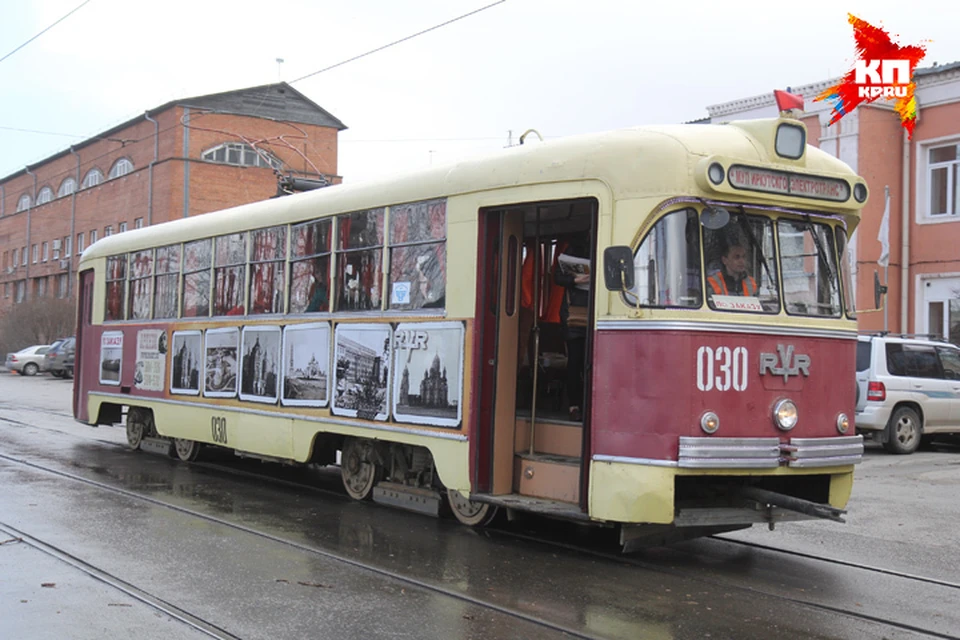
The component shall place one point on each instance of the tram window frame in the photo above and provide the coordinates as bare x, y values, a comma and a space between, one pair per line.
765, 272
694, 280
201, 270
115, 279
847, 291
227, 260
171, 272
273, 267
417, 273
310, 266
140, 276
352, 245
811, 254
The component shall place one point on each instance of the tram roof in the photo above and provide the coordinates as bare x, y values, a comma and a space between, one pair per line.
613, 157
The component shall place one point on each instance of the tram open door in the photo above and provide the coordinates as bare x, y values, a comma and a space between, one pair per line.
531, 436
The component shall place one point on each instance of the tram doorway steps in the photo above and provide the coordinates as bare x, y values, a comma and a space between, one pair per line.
553, 436
548, 476
162, 446
410, 498
540, 506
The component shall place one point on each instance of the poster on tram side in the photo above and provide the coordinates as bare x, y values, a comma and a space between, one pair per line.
111, 357
428, 380
150, 366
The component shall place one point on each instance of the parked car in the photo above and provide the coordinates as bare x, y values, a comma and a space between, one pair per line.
29, 361
908, 390
59, 358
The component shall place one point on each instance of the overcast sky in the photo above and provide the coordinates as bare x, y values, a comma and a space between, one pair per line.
558, 66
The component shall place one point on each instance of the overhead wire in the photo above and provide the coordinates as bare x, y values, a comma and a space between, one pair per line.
70, 13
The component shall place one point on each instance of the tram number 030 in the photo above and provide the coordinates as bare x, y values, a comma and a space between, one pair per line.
722, 368
218, 427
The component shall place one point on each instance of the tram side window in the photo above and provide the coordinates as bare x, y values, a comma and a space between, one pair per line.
418, 255
167, 270
230, 257
267, 255
359, 260
667, 264
116, 283
741, 265
141, 283
196, 278
810, 280
310, 267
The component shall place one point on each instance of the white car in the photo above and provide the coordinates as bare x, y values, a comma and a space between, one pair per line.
908, 389
29, 361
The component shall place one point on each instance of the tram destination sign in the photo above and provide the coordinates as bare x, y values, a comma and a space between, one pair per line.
788, 184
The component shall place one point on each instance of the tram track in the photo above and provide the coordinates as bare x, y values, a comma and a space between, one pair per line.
539, 539
188, 618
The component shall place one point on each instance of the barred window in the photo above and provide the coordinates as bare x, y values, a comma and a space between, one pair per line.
241, 154
141, 283
228, 274
167, 269
24, 202
196, 278
116, 284
92, 179
121, 167
310, 267
360, 260
45, 195
267, 263
418, 255
68, 186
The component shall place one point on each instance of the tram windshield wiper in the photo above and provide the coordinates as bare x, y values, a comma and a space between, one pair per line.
821, 252
742, 221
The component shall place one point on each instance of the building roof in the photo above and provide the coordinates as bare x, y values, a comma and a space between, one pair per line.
278, 101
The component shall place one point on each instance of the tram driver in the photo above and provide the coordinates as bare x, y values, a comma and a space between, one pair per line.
732, 276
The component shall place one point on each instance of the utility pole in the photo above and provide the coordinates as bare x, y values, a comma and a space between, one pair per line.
279, 69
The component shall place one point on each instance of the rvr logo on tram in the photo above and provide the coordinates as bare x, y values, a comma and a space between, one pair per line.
785, 363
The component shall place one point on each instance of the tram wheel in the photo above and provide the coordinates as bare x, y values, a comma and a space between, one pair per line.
187, 450
359, 469
139, 424
470, 513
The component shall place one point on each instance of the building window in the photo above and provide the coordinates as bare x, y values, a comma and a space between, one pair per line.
66, 246
92, 179
108, 231
138, 223
23, 257
123, 227
45, 195
21, 290
6, 289
80, 242
16, 257
56, 249
120, 168
68, 186
46, 251
63, 283
93, 236
240, 154
943, 180
24, 202
116, 282
41, 287
36, 253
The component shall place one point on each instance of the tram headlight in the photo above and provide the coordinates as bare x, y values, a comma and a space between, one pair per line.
785, 415
710, 422
860, 192
843, 423
716, 173
790, 141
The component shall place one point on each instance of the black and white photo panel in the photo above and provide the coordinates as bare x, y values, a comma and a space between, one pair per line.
220, 371
111, 357
187, 362
260, 364
428, 373
362, 366
306, 365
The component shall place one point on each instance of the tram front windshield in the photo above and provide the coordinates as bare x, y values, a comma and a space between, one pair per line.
753, 264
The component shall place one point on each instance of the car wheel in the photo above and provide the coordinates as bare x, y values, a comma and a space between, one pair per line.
68, 373
30, 369
903, 431
56, 374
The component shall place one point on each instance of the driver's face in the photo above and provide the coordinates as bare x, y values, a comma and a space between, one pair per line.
735, 262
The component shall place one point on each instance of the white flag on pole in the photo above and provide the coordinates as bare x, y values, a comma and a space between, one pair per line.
884, 235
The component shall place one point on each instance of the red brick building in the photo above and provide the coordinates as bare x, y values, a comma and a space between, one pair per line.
923, 178
184, 158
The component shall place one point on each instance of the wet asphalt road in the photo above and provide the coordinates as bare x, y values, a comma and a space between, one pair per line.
237, 556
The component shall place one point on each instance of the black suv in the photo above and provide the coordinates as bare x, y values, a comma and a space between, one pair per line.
59, 359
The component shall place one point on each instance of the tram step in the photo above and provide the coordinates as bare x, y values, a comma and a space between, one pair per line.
410, 498
547, 476
162, 446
